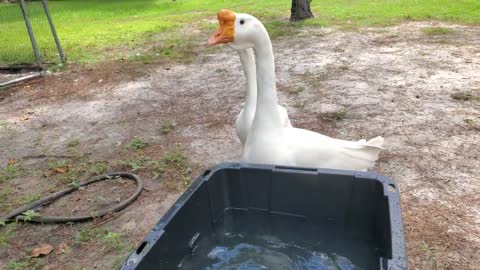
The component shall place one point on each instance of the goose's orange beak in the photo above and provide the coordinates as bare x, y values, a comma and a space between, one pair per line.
226, 30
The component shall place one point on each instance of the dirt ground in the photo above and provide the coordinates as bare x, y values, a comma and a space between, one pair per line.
396, 82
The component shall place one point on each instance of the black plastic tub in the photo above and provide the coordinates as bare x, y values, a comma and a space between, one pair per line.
275, 217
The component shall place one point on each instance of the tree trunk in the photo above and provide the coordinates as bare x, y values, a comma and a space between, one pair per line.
300, 10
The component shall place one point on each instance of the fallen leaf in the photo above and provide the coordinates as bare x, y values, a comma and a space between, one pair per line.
61, 170
12, 161
47, 174
62, 248
24, 117
41, 250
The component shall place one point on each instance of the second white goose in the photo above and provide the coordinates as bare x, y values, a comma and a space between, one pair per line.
268, 141
244, 119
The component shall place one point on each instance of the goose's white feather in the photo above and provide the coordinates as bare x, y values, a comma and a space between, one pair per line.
268, 140
300, 147
244, 119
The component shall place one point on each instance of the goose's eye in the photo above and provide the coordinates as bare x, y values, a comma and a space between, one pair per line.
242, 21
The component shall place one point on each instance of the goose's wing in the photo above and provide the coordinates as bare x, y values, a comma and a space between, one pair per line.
241, 127
284, 116
316, 150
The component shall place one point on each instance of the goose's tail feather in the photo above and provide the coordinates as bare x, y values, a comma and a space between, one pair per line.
363, 155
375, 142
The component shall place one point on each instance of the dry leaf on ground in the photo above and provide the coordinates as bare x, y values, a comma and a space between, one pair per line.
42, 250
24, 117
61, 170
62, 248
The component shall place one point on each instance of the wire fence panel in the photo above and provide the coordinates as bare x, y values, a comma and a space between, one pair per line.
15, 44
43, 34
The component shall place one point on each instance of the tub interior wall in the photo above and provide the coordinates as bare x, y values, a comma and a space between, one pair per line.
351, 209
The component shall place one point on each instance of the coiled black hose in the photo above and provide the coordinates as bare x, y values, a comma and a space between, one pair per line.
17, 213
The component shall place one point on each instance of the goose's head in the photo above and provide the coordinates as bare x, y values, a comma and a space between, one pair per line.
239, 31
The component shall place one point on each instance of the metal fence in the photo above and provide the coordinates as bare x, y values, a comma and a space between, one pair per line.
27, 35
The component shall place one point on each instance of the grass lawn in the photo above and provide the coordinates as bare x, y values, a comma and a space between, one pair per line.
91, 31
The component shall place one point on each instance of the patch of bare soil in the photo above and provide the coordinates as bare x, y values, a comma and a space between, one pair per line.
394, 81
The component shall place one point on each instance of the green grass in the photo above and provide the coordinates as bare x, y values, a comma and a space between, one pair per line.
173, 167
465, 96
29, 214
141, 162
87, 235
29, 198
113, 240
26, 264
10, 171
436, 31
70, 172
336, 116
137, 144
93, 31
10, 200
57, 164
472, 123
176, 161
7, 233
296, 90
167, 127
176, 157
73, 142
110, 239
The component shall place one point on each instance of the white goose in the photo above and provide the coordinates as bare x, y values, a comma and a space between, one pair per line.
268, 141
245, 117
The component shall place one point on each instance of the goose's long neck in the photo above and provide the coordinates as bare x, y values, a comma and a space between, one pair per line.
267, 114
248, 63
